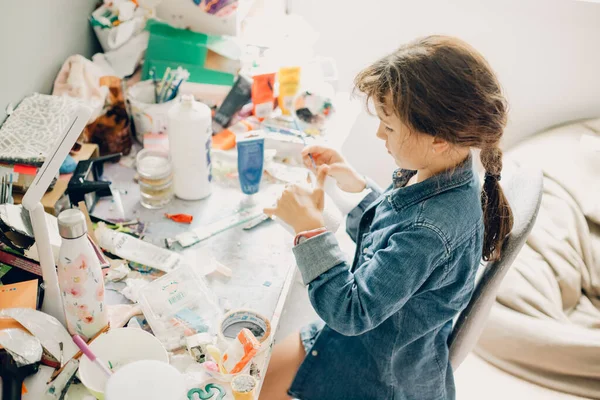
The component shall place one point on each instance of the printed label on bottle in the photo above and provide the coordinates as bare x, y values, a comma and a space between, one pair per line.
208, 149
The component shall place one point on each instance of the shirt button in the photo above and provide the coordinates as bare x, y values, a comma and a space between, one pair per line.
314, 353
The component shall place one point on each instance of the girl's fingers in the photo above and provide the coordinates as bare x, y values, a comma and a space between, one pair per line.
301, 190
322, 173
270, 211
313, 149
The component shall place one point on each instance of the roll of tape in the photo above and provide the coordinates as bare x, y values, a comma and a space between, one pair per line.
236, 320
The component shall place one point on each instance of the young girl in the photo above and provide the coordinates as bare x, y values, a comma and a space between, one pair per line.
388, 314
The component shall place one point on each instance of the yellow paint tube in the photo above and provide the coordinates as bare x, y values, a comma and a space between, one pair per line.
289, 82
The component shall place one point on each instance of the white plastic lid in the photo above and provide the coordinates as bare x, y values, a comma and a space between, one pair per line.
146, 380
153, 164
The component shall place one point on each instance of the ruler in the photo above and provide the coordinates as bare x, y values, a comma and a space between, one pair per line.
192, 237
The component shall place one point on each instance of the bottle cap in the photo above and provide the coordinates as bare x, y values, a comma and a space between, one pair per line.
71, 224
187, 100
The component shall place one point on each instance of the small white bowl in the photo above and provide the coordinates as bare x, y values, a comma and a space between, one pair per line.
119, 347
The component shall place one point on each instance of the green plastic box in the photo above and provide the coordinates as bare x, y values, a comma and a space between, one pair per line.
173, 47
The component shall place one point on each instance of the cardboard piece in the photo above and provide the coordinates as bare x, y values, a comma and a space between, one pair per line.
88, 150
18, 295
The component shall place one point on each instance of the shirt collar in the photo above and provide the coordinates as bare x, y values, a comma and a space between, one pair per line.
403, 197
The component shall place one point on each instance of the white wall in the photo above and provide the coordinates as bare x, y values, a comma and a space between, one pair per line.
545, 52
36, 37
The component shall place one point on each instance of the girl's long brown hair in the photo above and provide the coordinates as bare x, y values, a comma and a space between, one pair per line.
441, 86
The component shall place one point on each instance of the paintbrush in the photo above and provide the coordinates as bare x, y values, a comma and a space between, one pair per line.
153, 77
163, 95
183, 75
3, 191
163, 82
312, 160
76, 356
10, 187
90, 354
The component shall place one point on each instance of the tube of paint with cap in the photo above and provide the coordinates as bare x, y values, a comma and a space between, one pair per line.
237, 97
251, 156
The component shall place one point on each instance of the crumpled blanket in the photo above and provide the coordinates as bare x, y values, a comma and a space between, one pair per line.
80, 78
545, 324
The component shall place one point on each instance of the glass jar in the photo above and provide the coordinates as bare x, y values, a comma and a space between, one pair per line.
155, 178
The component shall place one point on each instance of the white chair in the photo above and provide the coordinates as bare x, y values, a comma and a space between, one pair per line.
523, 189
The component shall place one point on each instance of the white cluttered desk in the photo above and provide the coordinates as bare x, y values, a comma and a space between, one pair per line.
261, 260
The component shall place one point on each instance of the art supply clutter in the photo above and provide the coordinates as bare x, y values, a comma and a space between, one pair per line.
189, 105
179, 305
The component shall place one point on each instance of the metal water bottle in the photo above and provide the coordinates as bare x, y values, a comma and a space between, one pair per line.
80, 277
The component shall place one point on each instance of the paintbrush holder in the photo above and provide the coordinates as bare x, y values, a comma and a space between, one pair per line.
148, 116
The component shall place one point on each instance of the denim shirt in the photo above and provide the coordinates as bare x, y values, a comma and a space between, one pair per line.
388, 314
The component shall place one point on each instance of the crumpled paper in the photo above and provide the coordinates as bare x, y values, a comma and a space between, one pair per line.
24, 348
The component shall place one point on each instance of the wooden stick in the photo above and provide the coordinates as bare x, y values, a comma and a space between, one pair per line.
79, 353
88, 220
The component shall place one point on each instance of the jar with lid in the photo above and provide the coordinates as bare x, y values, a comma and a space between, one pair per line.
155, 177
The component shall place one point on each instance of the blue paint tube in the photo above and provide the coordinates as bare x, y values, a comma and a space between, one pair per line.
251, 156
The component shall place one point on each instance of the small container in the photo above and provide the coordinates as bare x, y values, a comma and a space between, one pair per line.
243, 387
155, 178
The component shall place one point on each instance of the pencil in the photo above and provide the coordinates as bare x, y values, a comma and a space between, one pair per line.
10, 185
153, 76
312, 160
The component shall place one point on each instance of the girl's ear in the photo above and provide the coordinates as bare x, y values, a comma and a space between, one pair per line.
439, 145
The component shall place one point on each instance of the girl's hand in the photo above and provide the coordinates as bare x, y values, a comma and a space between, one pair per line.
302, 208
347, 178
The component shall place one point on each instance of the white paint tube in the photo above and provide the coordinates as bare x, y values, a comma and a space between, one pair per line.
136, 250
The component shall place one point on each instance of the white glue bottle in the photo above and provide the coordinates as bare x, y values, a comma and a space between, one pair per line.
80, 277
190, 140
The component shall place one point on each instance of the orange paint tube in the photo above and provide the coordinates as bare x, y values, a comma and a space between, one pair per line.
263, 95
226, 139
240, 352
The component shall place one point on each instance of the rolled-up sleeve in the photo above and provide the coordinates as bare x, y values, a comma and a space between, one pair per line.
352, 303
